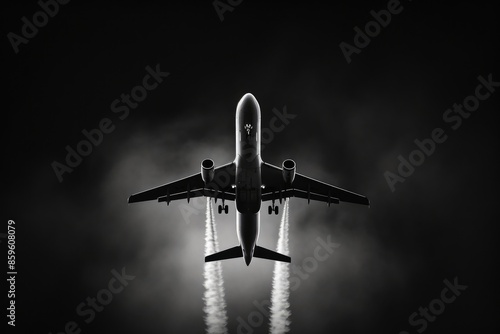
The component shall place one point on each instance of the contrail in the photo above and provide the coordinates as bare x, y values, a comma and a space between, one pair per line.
215, 304
280, 304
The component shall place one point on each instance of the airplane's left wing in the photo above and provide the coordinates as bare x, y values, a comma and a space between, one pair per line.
192, 186
304, 187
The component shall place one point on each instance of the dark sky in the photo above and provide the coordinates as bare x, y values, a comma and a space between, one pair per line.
352, 122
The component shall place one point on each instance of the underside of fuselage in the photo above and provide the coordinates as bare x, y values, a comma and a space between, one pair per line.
248, 228
248, 175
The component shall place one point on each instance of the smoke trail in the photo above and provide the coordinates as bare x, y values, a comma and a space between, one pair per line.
215, 304
280, 305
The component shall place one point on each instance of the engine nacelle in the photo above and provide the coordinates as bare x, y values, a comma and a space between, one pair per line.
207, 170
288, 171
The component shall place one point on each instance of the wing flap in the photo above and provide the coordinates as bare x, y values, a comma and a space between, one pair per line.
204, 192
185, 184
300, 194
308, 184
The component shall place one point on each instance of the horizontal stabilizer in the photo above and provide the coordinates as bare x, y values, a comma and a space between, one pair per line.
268, 254
230, 253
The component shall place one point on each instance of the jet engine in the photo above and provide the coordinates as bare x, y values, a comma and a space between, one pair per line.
288, 171
207, 170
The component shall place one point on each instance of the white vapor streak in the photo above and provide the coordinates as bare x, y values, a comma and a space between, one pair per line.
280, 304
215, 304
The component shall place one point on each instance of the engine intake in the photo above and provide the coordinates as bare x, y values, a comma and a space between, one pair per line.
207, 170
288, 171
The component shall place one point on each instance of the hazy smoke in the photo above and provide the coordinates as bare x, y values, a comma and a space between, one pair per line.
215, 304
280, 304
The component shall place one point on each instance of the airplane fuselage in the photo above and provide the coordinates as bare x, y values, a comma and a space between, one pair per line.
248, 174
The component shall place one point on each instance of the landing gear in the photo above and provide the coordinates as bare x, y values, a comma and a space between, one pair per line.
224, 208
272, 208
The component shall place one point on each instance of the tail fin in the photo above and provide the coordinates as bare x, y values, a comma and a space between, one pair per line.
230, 253
265, 253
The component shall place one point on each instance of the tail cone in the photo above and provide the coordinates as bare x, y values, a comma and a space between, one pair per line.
248, 259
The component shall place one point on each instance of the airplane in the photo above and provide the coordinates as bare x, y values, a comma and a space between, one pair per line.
248, 181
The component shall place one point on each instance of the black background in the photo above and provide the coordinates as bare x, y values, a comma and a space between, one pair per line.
352, 122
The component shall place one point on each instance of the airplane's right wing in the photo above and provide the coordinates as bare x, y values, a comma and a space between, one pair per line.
304, 187
192, 186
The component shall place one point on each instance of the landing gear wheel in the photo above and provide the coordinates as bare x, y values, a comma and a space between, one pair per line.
270, 210
226, 209
220, 209
276, 210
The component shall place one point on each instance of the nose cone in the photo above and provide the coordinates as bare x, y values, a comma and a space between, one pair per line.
247, 99
248, 105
